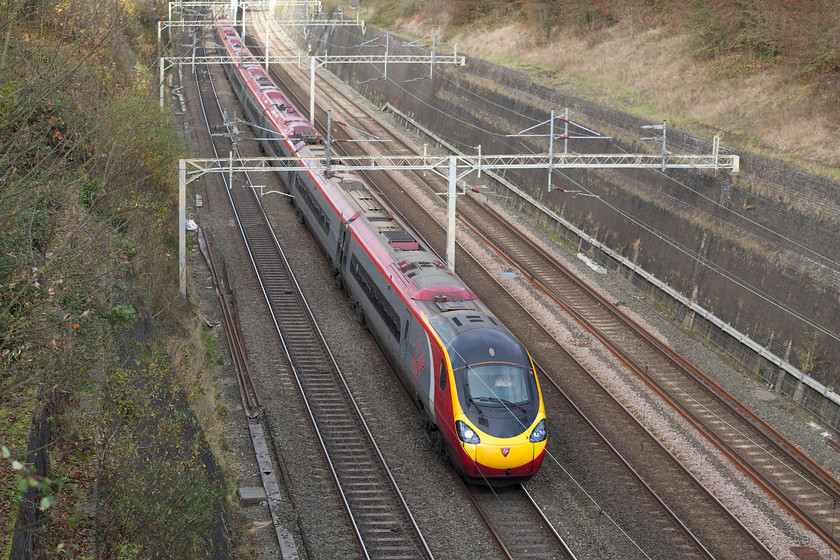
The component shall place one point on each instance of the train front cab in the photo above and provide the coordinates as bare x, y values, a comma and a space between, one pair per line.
499, 417
486, 462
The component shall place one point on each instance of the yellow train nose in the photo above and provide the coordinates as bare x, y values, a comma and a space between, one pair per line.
507, 456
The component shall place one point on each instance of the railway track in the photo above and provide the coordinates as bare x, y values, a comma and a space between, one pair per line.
517, 523
525, 261
381, 520
678, 544
795, 481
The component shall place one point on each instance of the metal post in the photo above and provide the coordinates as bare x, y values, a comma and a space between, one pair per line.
312, 89
432, 60
664, 133
387, 44
233, 7
450, 215
182, 225
160, 58
267, 43
455, 62
550, 149
566, 134
716, 151
161, 81
244, 7
329, 141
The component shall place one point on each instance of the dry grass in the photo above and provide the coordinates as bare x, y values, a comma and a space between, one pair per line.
652, 73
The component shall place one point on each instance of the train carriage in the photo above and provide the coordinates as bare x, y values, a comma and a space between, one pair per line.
473, 382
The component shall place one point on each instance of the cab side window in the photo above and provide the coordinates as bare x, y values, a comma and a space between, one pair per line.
442, 383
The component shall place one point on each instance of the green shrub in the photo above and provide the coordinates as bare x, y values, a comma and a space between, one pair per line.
124, 314
89, 192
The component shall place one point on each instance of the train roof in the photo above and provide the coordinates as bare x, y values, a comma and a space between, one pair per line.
416, 272
420, 274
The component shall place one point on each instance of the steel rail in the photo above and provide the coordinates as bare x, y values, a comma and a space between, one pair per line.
678, 522
538, 510
711, 496
232, 331
764, 436
733, 518
369, 543
824, 480
541, 520
231, 328
493, 507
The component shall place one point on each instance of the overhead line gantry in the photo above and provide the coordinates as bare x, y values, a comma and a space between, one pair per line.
450, 167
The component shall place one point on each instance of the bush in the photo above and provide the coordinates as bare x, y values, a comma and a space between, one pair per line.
71, 277
804, 36
89, 192
465, 12
159, 479
124, 314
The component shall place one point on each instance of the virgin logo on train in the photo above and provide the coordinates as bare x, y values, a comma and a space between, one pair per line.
505, 451
418, 363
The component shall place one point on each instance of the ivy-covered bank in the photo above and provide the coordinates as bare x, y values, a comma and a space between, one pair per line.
100, 357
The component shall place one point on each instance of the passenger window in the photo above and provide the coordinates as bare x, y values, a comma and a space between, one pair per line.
442, 375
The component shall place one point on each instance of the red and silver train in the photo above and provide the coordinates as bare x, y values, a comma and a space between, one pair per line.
473, 382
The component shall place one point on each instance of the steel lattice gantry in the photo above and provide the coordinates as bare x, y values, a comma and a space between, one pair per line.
450, 167
314, 61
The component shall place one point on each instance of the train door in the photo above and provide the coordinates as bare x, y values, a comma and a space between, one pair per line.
417, 359
442, 390
340, 258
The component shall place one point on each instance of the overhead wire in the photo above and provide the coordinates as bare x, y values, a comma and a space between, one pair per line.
729, 210
463, 358
579, 485
324, 418
450, 116
485, 100
647, 227
548, 453
704, 262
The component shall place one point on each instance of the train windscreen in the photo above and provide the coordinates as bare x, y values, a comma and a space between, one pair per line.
495, 384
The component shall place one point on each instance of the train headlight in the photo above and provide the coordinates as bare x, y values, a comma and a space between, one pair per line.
538, 434
465, 433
